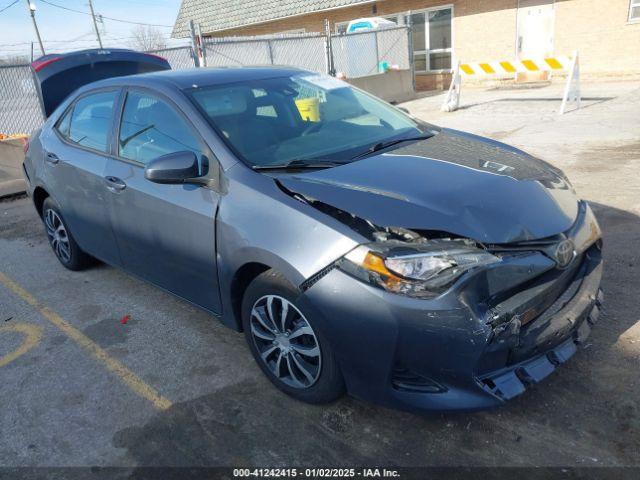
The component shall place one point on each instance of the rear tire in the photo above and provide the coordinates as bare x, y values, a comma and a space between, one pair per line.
289, 348
60, 238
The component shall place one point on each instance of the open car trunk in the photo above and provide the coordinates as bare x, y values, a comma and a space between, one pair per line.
58, 75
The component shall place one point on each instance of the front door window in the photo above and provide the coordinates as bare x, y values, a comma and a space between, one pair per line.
151, 128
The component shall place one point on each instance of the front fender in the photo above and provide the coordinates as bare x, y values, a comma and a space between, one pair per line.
259, 223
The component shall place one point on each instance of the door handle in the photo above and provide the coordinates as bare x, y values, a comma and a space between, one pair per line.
115, 184
51, 158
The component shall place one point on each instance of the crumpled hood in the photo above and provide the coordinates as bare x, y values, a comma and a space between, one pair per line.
454, 182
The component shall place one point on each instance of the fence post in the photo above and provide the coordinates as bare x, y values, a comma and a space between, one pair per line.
412, 66
194, 44
375, 40
270, 51
329, 48
203, 47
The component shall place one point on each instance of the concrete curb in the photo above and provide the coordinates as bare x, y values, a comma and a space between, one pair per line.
11, 157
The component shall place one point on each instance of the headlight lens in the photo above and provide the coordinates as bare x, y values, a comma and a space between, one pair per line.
423, 270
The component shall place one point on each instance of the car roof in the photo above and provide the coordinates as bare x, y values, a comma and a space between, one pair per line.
197, 77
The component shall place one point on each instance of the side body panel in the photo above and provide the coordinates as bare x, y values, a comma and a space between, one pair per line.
76, 182
259, 223
166, 234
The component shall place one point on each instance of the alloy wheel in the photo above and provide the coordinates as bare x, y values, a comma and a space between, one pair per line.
286, 343
58, 236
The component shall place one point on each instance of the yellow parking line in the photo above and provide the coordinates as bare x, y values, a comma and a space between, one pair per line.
129, 378
32, 336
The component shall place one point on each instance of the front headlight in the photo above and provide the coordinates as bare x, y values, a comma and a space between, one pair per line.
422, 270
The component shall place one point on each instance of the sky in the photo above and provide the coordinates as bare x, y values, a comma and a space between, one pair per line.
63, 30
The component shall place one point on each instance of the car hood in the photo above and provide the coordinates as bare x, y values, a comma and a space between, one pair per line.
454, 182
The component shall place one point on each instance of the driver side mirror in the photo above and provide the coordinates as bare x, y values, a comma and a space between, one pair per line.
174, 168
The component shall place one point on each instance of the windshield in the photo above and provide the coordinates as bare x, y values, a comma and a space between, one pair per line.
303, 117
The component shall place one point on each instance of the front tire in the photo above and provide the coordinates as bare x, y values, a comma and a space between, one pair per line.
287, 343
60, 238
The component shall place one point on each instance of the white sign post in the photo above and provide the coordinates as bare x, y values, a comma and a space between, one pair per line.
572, 88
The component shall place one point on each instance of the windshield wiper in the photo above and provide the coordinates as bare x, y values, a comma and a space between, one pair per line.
298, 164
382, 145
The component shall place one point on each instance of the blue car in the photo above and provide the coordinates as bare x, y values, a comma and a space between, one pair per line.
360, 250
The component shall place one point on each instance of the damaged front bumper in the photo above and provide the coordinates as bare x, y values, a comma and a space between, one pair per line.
551, 341
445, 354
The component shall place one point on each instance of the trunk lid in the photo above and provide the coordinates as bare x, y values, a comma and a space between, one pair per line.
58, 75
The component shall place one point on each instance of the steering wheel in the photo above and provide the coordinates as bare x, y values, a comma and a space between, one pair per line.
314, 127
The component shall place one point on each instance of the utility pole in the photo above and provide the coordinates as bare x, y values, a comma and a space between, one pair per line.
32, 11
95, 24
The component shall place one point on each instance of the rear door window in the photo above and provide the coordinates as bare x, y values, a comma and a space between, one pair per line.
151, 128
88, 122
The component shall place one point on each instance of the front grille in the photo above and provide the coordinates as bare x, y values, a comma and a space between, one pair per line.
526, 310
530, 300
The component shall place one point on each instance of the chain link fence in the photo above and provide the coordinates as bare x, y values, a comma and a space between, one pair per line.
366, 53
305, 51
178, 57
351, 55
354, 55
20, 110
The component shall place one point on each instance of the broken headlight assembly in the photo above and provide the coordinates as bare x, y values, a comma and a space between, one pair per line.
419, 270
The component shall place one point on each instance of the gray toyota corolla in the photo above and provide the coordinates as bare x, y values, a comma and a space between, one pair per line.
359, 249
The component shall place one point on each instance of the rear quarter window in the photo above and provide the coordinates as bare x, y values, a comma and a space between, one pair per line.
89, 120
64, 123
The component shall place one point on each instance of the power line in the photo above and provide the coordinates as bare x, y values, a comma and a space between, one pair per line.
106, 18
9, 6
166, 36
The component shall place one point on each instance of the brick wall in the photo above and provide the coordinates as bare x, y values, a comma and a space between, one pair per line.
485, 30
600, 31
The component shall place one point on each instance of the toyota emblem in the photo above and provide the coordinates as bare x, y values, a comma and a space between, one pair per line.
565, 253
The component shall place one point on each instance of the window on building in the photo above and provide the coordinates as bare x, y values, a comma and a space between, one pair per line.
432, 40
634, 10
432, 37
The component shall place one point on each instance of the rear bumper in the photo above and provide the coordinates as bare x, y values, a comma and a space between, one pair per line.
440, 345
